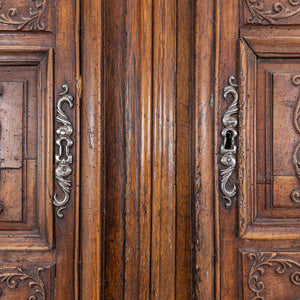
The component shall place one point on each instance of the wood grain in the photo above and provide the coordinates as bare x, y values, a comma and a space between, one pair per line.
203, 189
92, 143
40, 59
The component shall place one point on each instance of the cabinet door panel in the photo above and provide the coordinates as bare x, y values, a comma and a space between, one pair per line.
268, 146
261, 221
38, 252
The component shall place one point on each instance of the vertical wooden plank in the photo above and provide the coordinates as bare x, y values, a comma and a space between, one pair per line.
132, 105
140, 89
184, 82
145, 136
92, 105
203, 146
164, 150
78, 153
227, 33
128, 88
115, 147
65, 72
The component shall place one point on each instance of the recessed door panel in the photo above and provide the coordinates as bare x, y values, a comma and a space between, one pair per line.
268, 142
26, 110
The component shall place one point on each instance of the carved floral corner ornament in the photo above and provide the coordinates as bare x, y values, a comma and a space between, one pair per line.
229, 148
31, 21
63, 159
295, 194
32, 277
279, 10
264, 260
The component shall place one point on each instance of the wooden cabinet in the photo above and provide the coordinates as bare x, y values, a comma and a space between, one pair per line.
150, 149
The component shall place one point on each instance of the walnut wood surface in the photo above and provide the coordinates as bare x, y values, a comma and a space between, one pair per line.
260, 230
136, 143
146, 217
38, 251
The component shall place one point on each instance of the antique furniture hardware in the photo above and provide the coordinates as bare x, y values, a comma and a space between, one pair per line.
63, 159
229, 148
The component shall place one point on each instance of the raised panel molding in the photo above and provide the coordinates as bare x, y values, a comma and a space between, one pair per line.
267, 95
26, 181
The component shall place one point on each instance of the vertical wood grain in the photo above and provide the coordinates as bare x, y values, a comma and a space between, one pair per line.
145, 144
78, 153
164, 151
227, 31
115, 147
184, 82
139, 107
131, 125
65, 72
203, 152
92, 117
128, 91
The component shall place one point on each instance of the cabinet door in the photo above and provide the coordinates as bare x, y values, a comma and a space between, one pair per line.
38, 106
258, 187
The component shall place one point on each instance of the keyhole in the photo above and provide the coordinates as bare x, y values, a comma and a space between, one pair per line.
228, 140
63, 150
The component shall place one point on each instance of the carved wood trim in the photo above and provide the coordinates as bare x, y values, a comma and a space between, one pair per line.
32, 21
262, 15
32, 276
263, 260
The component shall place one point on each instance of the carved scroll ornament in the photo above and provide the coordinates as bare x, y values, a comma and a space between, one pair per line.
229, 149
63, 159
262, 15
31, 276
32, 21
264, 260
